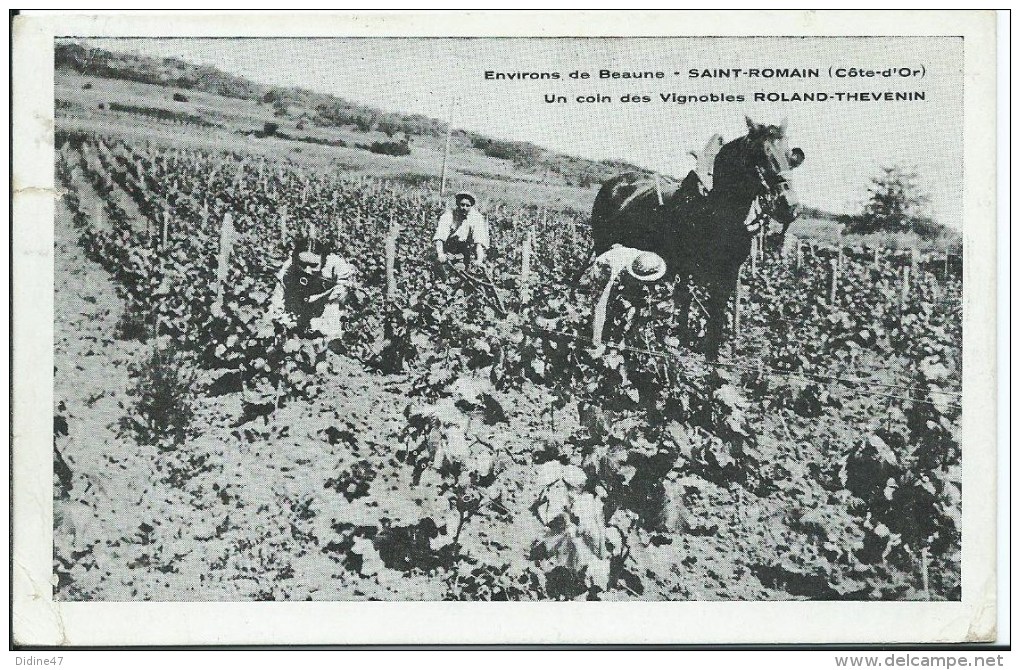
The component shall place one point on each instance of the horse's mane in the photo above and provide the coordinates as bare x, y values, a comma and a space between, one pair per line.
767, 132
731, 162
729, 165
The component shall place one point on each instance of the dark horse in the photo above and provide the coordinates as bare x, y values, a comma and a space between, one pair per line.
704, 238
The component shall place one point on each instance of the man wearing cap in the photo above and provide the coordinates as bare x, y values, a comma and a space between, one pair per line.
461, 231
645, 266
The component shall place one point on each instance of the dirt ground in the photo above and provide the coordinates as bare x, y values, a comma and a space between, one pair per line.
280, 509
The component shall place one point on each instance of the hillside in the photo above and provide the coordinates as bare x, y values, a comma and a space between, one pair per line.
309, 110
138, 96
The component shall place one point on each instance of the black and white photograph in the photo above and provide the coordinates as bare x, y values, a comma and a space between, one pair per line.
426, 317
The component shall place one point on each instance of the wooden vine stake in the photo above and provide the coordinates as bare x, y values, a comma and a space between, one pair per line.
905, 286
100, 220
165, 236
391, 260
446, 150
736, 308
799, 256
283, 223
228, 234
834, 281
526, 245
924, 571
754, 255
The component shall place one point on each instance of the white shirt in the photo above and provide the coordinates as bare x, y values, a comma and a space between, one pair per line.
617, 259
337, 268
473, 225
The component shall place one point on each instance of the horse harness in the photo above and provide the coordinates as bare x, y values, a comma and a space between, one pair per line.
760, 213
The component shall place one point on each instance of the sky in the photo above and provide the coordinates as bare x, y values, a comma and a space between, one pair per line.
846, 143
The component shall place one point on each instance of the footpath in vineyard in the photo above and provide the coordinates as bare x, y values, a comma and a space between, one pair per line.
444, 451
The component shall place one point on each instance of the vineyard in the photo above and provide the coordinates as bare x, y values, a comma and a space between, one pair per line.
462, 440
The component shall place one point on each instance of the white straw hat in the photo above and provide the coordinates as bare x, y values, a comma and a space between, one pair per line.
647, 266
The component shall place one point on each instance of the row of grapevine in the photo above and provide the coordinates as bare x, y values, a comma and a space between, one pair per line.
835, 421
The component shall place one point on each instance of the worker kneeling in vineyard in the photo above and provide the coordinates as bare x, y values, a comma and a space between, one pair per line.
461, 231
644, 266
311, 287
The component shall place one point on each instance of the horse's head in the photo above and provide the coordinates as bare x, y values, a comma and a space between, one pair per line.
769, 159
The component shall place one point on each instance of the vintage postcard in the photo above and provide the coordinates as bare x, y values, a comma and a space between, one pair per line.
504, 328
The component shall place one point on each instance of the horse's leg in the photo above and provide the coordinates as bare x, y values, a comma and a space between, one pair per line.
719, 289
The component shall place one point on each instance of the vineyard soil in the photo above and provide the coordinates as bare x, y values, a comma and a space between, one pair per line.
251, 513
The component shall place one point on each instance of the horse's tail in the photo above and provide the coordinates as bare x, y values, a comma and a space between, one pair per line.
607, 212
601, 225
601, 217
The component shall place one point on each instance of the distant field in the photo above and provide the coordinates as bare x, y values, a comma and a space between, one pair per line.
492, 178
89, 103
829, 232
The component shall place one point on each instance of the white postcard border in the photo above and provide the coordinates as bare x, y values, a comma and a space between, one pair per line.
38, 620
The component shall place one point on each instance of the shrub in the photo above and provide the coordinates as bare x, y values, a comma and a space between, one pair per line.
521, 153
161, 114
164, 395
270, 128
895, 205
319, 140
389, 148
180, 97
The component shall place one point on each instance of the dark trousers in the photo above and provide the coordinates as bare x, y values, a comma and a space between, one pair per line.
455, 247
